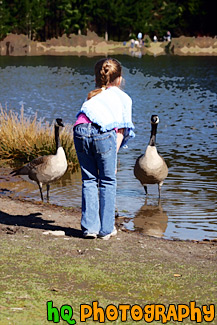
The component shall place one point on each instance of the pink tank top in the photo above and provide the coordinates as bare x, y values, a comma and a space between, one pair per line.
82, 118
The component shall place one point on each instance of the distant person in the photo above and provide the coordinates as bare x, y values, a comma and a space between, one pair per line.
155, 38
132, 43
104, 123
139, 36
168, 36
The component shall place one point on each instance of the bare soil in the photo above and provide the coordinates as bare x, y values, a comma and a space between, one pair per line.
18, 216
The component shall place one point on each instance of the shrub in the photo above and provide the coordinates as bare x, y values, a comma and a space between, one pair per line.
25, 138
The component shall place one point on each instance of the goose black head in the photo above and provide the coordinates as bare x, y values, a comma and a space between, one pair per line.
154, 124
57, 129
59, 122
154, 119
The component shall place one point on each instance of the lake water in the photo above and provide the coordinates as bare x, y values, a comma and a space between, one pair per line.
181, 90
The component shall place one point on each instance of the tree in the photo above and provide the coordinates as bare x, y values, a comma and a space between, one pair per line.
22, 16
198, 17
115, 19
73, 17
34, 11
165, 16
100, 15
5, 18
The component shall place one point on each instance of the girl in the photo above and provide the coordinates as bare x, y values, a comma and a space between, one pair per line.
103, 124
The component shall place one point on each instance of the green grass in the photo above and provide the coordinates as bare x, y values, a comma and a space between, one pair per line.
25, 138
34, 272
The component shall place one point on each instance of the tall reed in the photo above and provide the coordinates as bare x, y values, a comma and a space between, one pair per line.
24, 138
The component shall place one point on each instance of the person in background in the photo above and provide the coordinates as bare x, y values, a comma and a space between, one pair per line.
139, 36
132, 43
168, 36
104, 124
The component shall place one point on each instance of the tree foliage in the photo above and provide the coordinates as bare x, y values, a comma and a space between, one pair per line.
119, 19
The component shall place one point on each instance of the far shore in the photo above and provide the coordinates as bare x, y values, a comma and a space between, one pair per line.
93, 45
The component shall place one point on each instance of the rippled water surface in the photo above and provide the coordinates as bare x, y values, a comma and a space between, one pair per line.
181, 90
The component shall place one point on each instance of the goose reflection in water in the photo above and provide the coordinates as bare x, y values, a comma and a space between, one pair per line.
151, 220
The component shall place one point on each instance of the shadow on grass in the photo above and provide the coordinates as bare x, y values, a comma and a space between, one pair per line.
33, 220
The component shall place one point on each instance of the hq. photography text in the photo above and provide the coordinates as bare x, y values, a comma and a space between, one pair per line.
126, 312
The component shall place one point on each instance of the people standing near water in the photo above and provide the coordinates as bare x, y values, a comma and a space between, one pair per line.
168, 36
139, 36
104, 124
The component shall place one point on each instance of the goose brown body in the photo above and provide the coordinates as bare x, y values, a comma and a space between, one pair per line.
151, 168
45, 169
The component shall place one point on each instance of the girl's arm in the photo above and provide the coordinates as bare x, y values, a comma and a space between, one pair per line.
120, 136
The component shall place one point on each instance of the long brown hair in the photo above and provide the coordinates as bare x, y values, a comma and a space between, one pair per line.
106, 71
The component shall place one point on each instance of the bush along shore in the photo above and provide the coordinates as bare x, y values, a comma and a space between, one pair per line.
93, 45
25, 138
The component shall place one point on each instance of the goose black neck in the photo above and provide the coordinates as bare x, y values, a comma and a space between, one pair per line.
57, 138
153, 135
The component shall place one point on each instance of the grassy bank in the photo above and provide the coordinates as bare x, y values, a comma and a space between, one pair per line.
75, 272
128, 269
25, 138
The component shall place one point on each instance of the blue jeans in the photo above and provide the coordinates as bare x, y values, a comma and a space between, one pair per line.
97, 156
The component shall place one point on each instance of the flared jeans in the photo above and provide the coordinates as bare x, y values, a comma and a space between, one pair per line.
97, 155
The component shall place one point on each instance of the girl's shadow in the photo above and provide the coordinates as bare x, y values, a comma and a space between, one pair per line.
34, 221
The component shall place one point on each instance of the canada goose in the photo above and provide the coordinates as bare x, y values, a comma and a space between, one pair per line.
45, 169
151, 168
